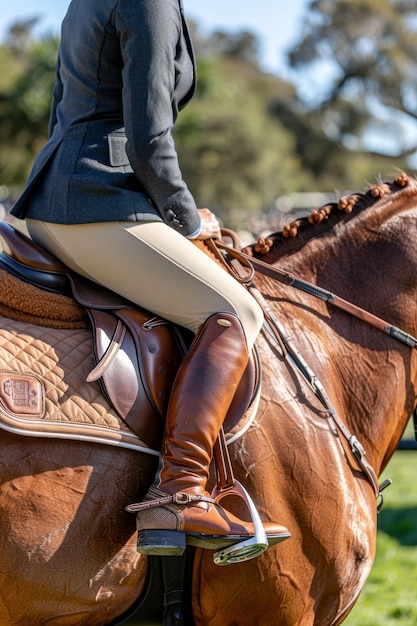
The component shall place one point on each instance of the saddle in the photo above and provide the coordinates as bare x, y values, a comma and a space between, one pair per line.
136, 354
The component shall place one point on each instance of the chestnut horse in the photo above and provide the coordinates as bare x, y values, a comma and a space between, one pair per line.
67, 546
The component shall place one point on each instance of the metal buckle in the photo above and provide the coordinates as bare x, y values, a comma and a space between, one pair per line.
356, 447
182, 498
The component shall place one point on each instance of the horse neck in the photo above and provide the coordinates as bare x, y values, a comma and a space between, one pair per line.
369, 258
371, 262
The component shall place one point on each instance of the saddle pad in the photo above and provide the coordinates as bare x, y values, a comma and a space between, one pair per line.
22, 301
43, 390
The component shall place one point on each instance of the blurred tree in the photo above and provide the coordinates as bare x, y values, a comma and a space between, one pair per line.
233, 153
241, 45
20, 36
356, 66
27, 70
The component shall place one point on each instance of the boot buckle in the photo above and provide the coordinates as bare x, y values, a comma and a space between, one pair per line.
182, 498
187, 498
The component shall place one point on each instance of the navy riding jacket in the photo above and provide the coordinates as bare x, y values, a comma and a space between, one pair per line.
125, 69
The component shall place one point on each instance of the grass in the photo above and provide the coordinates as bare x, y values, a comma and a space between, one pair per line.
389, 596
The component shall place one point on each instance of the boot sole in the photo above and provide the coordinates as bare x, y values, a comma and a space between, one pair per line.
174, 543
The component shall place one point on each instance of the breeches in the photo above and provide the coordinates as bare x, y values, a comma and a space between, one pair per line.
153, 266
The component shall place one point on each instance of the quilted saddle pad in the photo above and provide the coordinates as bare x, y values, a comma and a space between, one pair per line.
43, 388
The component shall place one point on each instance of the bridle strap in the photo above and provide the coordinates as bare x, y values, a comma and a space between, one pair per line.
318, 292
330, 412
240, 259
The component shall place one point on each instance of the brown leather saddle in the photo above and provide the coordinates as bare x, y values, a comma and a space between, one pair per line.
136, 353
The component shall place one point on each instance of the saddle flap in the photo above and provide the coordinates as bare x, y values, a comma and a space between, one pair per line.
245, 392
159, 353
139, 378
94, 296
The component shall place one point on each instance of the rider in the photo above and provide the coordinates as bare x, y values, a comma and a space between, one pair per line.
107, 197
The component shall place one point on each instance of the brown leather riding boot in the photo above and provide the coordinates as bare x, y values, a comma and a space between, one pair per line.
177, 509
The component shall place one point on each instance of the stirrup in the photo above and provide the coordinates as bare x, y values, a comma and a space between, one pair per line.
249, 548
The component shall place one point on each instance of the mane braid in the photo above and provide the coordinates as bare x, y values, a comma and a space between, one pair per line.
346, 204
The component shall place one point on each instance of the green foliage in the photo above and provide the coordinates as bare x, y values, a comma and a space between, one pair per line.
388, 598
232, 152
34, 89
25, 97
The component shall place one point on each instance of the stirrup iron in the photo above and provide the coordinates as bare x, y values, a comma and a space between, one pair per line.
227, 485
249, 548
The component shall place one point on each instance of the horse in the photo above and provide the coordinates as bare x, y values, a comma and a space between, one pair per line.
336, 394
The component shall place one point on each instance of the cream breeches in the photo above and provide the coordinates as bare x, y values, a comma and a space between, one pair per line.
153, 266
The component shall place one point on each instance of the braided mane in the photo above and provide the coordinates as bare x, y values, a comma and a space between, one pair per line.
345, 205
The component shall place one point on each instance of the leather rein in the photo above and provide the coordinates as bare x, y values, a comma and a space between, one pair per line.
243, 268
288, 279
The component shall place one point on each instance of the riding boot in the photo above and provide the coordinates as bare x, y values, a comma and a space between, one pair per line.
177, 509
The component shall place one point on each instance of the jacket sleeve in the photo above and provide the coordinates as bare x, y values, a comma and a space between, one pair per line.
150, 33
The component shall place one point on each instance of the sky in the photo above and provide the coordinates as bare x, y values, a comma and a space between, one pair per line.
277, 23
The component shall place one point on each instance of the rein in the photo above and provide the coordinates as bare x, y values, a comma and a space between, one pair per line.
239, 260
322, 294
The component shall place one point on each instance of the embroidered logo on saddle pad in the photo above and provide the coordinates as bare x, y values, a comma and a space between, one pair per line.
21, 395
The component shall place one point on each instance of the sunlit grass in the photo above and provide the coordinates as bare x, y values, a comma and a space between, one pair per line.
389, 596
